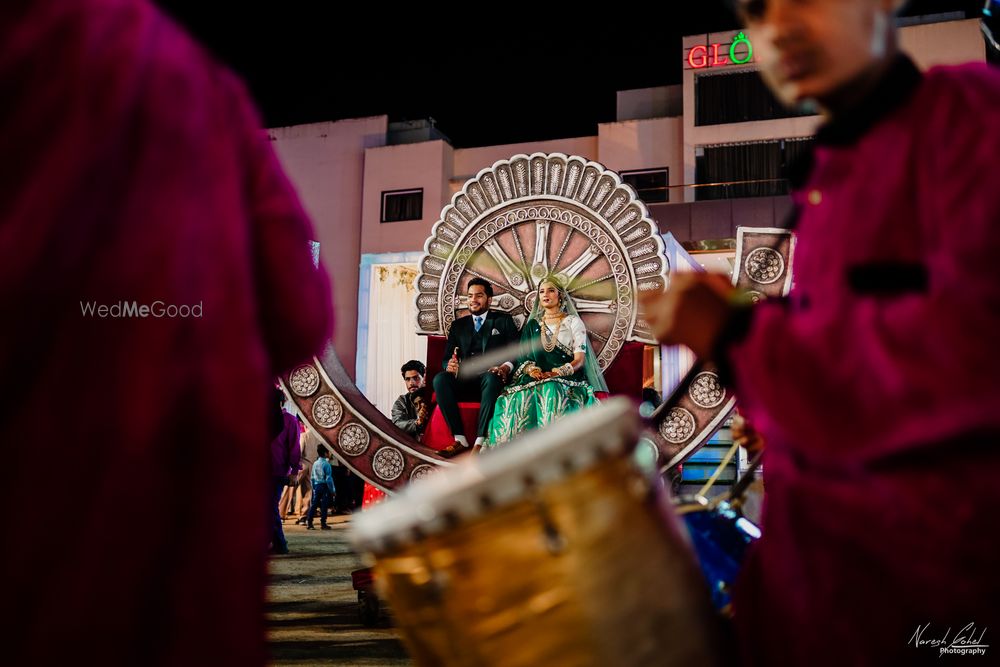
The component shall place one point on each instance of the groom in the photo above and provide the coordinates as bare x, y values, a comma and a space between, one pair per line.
481, 331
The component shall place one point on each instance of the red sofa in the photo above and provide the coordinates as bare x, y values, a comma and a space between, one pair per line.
624, 378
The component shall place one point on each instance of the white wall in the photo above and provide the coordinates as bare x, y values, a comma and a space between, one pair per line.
643, 144
406, 166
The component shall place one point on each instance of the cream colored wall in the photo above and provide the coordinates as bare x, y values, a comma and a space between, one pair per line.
424, 165
325, 162
643, 144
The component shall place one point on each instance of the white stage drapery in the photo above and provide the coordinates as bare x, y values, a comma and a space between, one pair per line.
391, 332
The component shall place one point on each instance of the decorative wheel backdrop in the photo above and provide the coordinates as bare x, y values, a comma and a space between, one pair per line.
513, 224
531, 216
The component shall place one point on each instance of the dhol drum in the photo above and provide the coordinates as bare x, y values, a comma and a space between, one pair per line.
720, 536
554, 550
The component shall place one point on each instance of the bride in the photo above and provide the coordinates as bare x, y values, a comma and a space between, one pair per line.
556, 373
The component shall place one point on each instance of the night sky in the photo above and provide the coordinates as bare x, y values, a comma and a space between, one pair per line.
487, 74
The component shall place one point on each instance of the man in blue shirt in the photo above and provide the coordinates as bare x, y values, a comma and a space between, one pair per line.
323, 489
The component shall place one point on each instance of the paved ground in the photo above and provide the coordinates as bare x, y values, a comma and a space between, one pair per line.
312, 610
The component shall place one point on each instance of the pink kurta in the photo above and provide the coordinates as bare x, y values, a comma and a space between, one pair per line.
877, 386
135, 171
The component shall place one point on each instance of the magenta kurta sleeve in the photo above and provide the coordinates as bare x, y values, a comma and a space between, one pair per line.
908, 367
875, 386
155, 277
295, 315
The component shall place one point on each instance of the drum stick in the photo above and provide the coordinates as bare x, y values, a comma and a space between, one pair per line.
740, 487
480, 364
718, 471
674, 399
476, 366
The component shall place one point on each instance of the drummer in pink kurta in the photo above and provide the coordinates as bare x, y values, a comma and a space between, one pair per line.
135, 171
876, 382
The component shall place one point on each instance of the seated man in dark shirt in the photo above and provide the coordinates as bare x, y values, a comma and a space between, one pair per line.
412, 410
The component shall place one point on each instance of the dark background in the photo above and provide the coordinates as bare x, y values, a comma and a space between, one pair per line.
488, 73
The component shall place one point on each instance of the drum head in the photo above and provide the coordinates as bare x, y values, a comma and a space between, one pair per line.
484, 483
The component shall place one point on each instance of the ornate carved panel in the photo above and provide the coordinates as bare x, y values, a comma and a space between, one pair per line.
763, 268
529, 216
353, 429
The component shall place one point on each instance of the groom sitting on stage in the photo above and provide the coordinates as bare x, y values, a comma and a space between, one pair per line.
481, 331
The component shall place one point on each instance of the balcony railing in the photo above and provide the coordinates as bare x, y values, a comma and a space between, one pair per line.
761, 187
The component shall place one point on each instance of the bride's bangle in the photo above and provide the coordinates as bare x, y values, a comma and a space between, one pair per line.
565, 369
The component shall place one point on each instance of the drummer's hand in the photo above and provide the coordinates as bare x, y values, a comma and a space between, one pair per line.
745, 435
501, 372
691, 312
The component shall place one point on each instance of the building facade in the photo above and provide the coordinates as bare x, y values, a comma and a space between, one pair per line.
706, 155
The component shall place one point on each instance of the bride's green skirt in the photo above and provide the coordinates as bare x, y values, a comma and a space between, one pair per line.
534, 404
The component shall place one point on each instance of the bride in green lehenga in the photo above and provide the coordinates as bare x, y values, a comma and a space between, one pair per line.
556, 372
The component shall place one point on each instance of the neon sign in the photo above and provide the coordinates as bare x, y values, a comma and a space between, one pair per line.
708, 55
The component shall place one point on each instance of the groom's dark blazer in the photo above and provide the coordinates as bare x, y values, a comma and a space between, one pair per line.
498, 329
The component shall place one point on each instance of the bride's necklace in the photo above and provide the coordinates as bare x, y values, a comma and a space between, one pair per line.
551, 338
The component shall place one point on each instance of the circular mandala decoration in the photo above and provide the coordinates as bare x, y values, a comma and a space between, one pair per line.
678, 426
304, 380
353, 439
327, 411
546, 214
764, 265
388, 463
706, 391
506, 302
421, 471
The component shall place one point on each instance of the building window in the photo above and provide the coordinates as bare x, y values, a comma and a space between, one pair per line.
736, 98
649, 184
399, 205
754, 169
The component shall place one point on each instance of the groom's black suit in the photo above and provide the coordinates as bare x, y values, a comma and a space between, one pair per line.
497, 330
